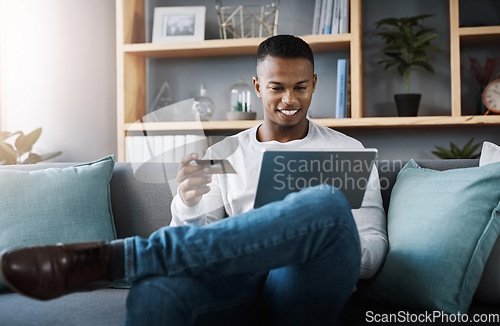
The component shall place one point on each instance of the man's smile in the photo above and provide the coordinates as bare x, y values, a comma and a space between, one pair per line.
288, 113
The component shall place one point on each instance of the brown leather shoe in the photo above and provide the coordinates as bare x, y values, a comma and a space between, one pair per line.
48, 272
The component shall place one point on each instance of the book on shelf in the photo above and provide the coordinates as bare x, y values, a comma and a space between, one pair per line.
322, 16
164, 148
336, 17
344, 17
331, 17
317, 15
348, 92
328, 17
340, 101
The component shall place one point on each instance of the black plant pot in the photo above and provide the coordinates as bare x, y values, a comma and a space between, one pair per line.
407, 104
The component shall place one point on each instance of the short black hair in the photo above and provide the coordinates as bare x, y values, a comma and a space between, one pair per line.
286, 47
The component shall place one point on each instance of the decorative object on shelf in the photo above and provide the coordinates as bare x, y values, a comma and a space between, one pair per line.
244, 21
178, 111
491, 97
163, 98
238, 115
407, 43
407, 104
483, 76
20, 151
241, 105
179, 24
203, 105
454, 152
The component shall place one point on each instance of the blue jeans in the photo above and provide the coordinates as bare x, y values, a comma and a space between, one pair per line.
292, 262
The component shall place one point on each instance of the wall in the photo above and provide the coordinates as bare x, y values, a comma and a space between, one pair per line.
58, 73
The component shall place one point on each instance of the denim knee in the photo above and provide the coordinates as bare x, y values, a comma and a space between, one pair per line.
204, 301
151, 302
325, 197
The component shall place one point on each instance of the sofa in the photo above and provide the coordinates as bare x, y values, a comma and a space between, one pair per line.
140, 201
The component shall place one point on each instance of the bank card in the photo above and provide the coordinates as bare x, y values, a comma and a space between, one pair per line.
216, 166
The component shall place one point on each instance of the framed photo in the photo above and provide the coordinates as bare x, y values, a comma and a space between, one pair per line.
179, 24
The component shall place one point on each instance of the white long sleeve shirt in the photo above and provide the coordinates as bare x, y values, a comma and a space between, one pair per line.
233, 194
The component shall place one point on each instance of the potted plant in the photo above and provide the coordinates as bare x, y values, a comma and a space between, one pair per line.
407, 44
469, 151
19, 151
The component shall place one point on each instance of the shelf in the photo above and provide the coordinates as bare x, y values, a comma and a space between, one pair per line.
248, 46
332, 123
485, 34
192, 125
413, 121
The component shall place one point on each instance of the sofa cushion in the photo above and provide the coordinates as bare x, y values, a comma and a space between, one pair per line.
490, 153
104, 307
56, 205
441, 228
489, 287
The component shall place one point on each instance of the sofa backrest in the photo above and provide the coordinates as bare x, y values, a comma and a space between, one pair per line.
141, 198
388, 172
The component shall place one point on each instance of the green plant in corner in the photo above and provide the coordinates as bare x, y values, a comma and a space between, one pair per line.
407, 44
454, 152
19, 151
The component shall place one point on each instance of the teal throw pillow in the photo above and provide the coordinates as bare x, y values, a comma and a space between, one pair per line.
441, 226
56, 205
489, 287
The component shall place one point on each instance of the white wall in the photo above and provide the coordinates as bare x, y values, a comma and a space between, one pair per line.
58, 72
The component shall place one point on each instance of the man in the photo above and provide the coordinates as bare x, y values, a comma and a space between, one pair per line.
291, 262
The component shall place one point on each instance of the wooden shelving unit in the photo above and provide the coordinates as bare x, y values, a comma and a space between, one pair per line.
133, 51
460, 36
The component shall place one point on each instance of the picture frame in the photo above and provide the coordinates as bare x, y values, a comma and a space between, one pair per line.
179, 24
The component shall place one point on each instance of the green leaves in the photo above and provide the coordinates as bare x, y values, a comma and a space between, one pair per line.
454, 152
22, 147
407, 44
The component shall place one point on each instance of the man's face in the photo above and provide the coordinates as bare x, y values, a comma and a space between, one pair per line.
286, 87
